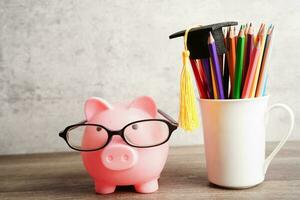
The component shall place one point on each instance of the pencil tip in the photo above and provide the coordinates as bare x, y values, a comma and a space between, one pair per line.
250, 31
242, 31
228, 32
210, 38
263, 30
271, 26
270, 30
257, 45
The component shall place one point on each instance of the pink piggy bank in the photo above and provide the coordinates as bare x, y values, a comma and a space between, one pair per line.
125, 144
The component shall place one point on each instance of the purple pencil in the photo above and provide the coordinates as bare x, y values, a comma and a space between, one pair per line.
216, 65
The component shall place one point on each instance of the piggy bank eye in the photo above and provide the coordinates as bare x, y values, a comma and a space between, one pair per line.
98, 128
135, 126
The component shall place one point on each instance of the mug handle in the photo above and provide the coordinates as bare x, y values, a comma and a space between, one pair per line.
284, 139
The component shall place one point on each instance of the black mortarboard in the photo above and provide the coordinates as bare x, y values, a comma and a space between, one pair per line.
197, 39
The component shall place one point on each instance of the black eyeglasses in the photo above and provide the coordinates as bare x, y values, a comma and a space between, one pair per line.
141, 134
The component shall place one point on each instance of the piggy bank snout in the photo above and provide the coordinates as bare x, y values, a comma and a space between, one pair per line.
119, 157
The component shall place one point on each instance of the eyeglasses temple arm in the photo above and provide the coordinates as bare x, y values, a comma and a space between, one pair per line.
81, 122
168, 117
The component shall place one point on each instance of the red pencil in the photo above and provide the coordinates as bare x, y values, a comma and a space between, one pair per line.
232, 57
251, 71
203, 77
199, 82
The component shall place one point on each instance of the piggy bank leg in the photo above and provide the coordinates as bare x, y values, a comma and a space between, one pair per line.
104, 188
148, 187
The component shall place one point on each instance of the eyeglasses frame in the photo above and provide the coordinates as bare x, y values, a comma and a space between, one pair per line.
171, 123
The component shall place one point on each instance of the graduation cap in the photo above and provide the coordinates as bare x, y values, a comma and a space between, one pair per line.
197, 39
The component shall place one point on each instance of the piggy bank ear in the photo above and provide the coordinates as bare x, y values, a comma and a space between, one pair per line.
146, 104
95, 105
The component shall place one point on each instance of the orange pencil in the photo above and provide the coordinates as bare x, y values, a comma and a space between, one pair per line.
214, 83
251, 71
256, 37
262, 26
265, 65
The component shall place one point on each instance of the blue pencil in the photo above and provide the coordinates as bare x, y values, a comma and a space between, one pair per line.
265, 85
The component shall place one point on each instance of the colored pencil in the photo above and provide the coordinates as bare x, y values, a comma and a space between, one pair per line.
214, 83
203, 77
221, 62
226, 67
216, 65
245, 46
251, 71
231, 57
245, 49
226, 78
265, 64
265, 85
239, 64
249, 47
259, 31
262, 38
246, 29
200, 84
235, 36
206, 66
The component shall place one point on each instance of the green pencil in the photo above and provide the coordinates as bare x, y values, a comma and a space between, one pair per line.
239, 64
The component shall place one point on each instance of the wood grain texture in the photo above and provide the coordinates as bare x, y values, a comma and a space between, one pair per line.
62, 176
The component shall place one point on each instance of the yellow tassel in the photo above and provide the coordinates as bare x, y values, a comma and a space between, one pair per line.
188, 116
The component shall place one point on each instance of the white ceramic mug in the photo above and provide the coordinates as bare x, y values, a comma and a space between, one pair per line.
234, 138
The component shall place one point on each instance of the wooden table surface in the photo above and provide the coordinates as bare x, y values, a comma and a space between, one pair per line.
62, 176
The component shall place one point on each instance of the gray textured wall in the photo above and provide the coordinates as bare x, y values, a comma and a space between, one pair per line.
55, 54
